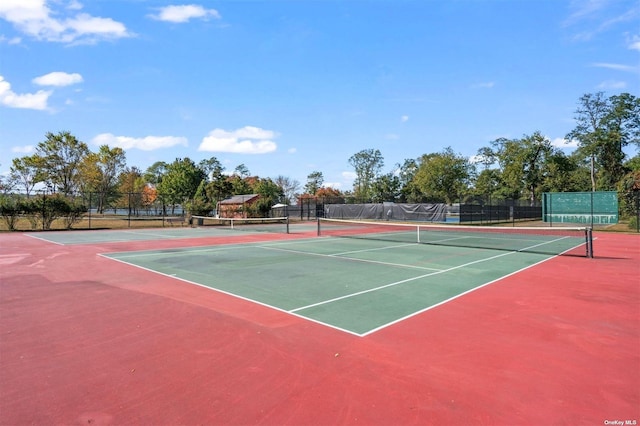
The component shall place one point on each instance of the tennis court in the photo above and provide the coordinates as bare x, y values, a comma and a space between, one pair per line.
375, 277
212, 228
240, 327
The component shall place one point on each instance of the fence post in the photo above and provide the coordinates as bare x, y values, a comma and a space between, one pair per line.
591, 209
44, 209
636, 197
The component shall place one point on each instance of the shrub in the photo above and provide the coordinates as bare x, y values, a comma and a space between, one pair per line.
42, 211
10, 211
198, 207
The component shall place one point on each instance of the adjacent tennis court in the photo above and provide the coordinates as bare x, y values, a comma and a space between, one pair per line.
375, 277
211, 228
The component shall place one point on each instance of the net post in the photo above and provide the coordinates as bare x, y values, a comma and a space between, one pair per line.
418, 234
589, 236
318, 230
287, 219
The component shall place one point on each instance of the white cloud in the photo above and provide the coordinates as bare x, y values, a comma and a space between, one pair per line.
247, 140
184, 13
592, 17
94, 28
634, 42
564, 144
27, 149
65, 24
483, 85
58, 79
292, 150
334, 185
74, 5
404, 118
612, 85
9, 98
148, 143
583, 10
13, 40
349, 175
391, 136
617, 67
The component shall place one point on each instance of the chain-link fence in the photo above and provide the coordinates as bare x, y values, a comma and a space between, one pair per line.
466, 209
43, 210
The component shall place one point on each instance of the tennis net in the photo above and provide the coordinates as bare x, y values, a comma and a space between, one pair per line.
546, 240
261, 224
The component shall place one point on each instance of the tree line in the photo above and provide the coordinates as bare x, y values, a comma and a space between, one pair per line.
521, 168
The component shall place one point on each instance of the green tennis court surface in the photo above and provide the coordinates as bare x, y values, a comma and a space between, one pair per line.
150, 234
358, 286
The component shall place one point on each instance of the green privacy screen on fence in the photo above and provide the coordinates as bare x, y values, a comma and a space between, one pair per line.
596, 208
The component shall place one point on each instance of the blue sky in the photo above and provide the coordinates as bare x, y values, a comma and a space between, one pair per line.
291, 87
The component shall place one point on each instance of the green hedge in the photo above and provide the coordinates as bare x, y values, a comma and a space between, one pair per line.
41, 211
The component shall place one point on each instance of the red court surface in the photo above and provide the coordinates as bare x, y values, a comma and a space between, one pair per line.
85, 340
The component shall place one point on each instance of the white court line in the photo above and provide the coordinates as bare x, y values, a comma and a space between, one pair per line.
151, 234
351, 259
293, 312
506, 237
183, 251
44, 239
174, 276
418, 277
190, 250
461, 294
452, 298
373, 249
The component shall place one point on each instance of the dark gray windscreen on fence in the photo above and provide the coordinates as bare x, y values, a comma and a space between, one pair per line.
387, 211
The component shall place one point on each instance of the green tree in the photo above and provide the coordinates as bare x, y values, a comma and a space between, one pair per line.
564, 173
629, 190
180, 182
633, 164
443, 175
487, 182
522, 164
368, 164
239, 185
211, 167
604, 126
315, 180
155, 172
59, 157
26, 172
219, 189
100, 172
270, 194
242, 171
200, 204
131, 187
386, 188
406, 173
